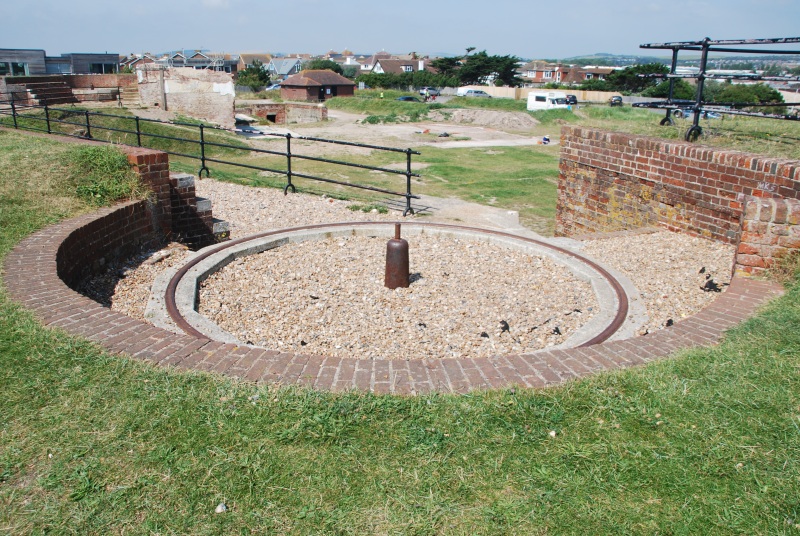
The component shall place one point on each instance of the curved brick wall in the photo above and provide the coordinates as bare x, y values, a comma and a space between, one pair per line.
32, 271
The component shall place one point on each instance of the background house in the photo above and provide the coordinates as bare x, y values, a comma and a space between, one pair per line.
398, 66
316, 86
284, 67
246, 59
27, 62
538, 73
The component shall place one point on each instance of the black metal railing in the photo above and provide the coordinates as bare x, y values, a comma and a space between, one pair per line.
700, 108
25, 114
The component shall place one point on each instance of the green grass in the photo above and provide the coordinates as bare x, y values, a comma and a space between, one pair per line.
102, 175
705, 443
71, 121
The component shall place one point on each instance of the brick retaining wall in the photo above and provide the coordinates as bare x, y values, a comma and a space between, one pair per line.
611, 181
31, 277
770, 230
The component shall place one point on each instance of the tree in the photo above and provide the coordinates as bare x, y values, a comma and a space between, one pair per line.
322, 65
752, 94
447, 66
595, 84
629, 79
682, 90
254, 76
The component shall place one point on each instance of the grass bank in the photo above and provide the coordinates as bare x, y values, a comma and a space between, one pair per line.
705, 443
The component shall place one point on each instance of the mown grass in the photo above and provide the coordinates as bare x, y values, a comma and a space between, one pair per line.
707, 442
516, 178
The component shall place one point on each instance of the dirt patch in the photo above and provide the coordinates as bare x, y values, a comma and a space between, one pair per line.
507, 121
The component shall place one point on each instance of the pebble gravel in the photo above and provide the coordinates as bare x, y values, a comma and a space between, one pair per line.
466, 299
331, 300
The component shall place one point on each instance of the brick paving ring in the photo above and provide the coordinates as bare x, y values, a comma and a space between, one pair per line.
181, 294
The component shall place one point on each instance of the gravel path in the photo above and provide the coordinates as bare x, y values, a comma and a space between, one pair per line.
328, 303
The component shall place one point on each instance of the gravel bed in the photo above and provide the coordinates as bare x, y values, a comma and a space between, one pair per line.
677, 275
466, 299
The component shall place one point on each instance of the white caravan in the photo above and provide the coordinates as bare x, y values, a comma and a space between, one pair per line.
545, 100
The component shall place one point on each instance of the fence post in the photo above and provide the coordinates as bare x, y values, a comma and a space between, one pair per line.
203, 154
47, 117
88, 126
289, 165
138, 133
408, 209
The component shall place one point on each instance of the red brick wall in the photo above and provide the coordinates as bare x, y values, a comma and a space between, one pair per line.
86, 81
153, 168
770, 230
117, 234
611, 181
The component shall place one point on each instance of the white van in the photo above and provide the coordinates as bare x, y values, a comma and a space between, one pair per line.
546, 100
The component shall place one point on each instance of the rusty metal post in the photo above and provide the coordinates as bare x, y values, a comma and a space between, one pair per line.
396, 261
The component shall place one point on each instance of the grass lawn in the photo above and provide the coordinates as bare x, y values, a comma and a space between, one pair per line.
705, 443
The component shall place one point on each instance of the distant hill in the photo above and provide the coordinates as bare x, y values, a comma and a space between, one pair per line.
684, 59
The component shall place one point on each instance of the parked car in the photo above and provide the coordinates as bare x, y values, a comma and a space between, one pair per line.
408, 99
572, 99
273, 87
432, 91
616, 100
477, 93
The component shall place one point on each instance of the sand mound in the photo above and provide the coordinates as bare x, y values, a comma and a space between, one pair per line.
487, 118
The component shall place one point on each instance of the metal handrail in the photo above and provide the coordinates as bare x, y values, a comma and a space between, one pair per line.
13, 107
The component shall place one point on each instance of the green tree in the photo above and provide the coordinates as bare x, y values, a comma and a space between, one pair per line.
254, 76
323, 65
635, 79
595, 84
752, 94
681, 90
480, 67
350, 71
447, 66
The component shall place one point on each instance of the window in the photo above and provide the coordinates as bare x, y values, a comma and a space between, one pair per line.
548, 74
589, 76
541, 98
408, 69
102, 68
13, 69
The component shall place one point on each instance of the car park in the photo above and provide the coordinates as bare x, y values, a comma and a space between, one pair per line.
432, 91
616, 100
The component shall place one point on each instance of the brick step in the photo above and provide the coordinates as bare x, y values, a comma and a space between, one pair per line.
129, 96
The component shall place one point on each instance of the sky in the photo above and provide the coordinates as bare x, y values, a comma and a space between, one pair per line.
535, 30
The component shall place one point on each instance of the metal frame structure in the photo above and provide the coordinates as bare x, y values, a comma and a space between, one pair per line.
698, 107
17, 110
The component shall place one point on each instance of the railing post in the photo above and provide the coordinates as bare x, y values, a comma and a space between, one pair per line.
203, 154
138, 133
13, 110
408, 209
47, 117
88, 125
289, 165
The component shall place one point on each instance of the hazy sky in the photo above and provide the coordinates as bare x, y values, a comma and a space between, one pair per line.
538, 29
